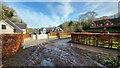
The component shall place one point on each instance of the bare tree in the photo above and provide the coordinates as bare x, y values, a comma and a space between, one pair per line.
89, 17
81, 19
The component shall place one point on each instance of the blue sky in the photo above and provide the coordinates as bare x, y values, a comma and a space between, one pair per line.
44, 14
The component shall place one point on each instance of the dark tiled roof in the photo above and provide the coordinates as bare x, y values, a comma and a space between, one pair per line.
50, 28
114, 20
57, 28
41, 29
22, 26
100, 21
97, 24
17, 29
47, 29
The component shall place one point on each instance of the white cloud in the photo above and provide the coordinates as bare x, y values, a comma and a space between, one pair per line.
91, 6
60, 0
59, 14
32, 18
54, 14
65, 9
61, 11
56, 18
102, 8
108, 9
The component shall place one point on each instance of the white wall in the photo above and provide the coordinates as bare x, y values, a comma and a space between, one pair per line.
39, 36
24, 31
42, 36
8, 29
33, 36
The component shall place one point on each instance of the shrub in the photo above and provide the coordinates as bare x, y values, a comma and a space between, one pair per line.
110, 62
11, 43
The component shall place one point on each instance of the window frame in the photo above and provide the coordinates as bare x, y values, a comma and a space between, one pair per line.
3, 27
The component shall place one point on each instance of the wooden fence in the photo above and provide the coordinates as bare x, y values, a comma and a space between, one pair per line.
59, 34
111, 40
26, 36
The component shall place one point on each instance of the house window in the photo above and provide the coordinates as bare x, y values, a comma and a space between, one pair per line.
3, 26
107, 24
92, 25
111, 23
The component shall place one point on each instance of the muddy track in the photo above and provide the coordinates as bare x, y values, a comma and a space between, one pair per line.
58, 53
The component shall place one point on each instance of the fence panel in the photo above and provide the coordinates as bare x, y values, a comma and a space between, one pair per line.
59, 34
111, 40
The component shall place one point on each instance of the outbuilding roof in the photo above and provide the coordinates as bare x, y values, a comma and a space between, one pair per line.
21, 25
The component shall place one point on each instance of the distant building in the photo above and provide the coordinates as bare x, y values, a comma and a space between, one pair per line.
8, 27
46, 30
52, 29
57, 29
105, 23
43, 31
34, 31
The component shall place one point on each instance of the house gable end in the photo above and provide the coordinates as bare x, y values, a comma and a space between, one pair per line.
17, 29
7, 24
107, 21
